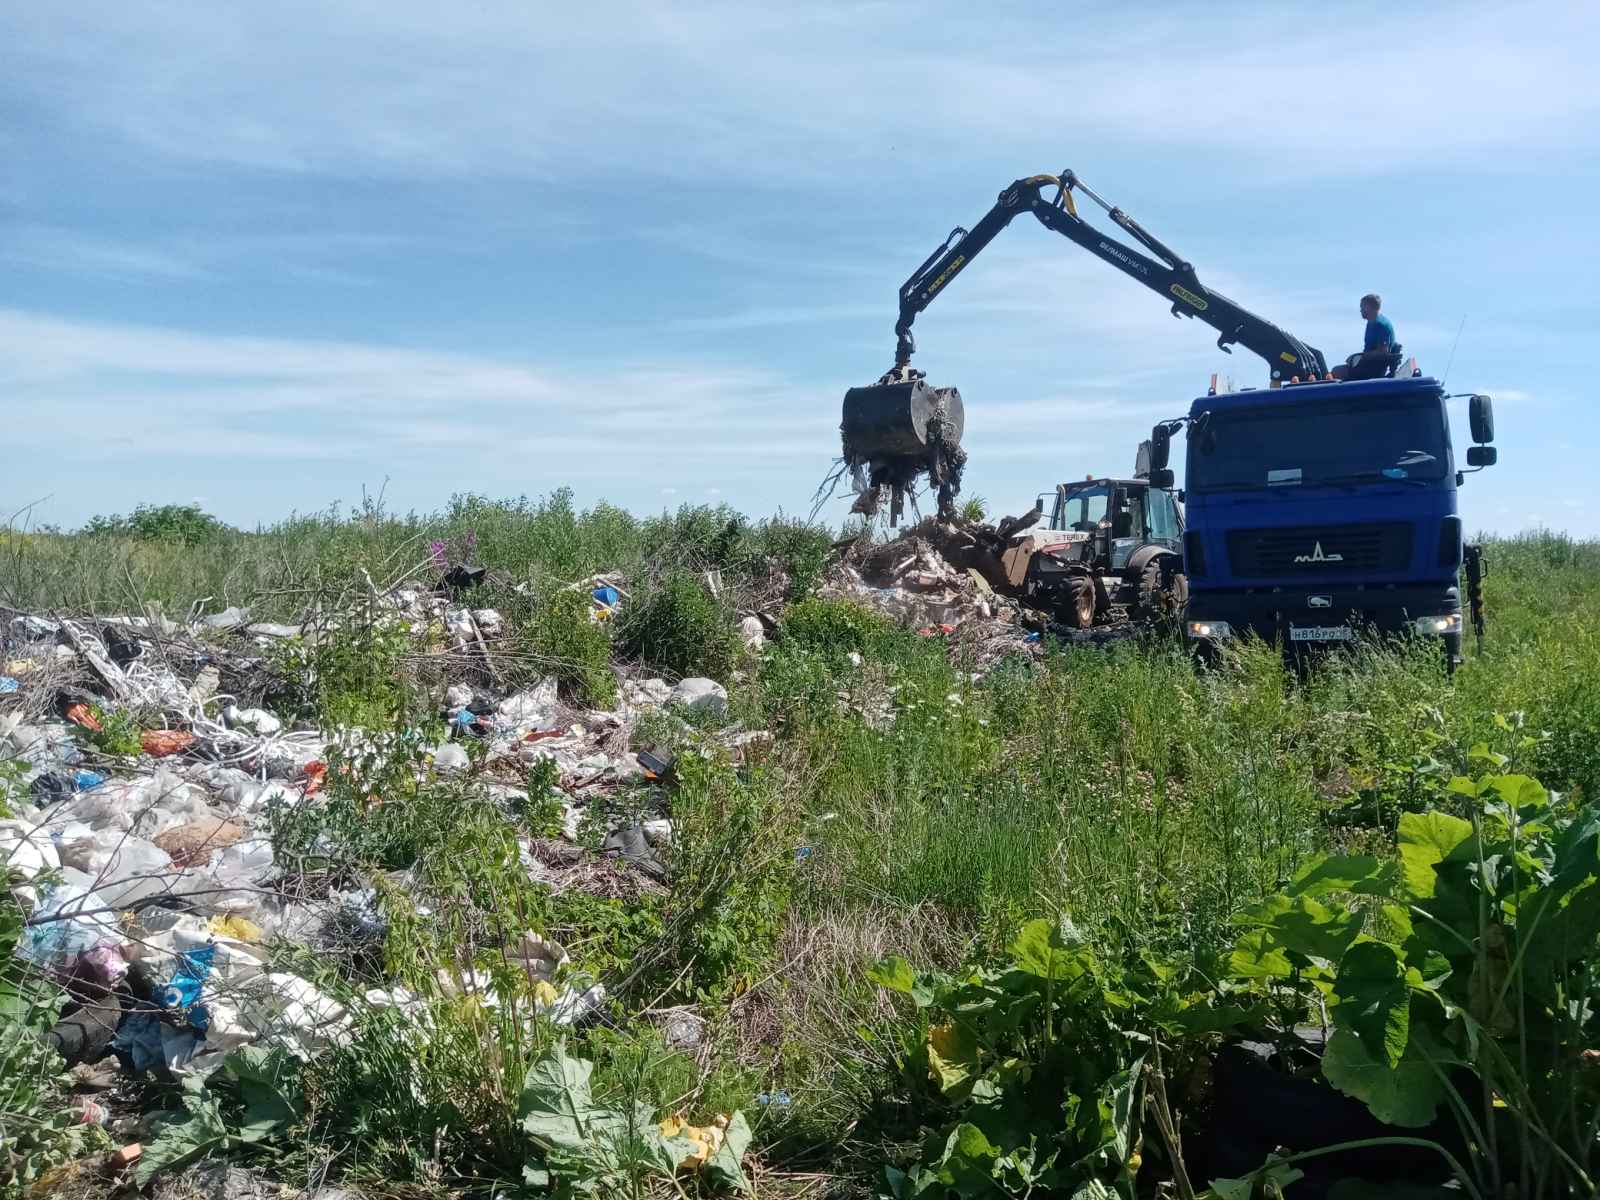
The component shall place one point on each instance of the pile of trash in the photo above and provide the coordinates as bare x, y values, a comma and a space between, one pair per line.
145, 872
913, 581
949, 579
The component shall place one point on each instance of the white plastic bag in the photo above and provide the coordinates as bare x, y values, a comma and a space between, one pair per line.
531, 710
69, 921
29, 852
172, 801
126, 869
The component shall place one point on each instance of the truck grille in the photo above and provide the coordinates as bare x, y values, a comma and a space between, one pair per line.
1320, 549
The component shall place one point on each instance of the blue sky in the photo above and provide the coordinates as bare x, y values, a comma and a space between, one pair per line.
264, 256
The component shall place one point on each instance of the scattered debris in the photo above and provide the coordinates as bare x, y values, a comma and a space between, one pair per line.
151, 759
700, 695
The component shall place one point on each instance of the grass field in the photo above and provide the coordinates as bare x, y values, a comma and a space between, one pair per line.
908, 808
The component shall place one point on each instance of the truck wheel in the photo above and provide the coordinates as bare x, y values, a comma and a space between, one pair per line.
1163, 592
1077, 610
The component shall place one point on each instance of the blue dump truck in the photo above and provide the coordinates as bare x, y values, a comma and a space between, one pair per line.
1317, 511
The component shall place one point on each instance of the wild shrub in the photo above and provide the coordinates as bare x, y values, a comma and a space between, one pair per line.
185, 523
565, 642
348, 677
837, 628
679, 627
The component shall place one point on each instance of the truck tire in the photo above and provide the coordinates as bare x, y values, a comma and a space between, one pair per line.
1163, 592
1077, 610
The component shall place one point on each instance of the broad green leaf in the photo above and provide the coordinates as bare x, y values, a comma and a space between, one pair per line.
968, 1161
556, 1105
1125, 1110
895, 973
1274, 1170
270, 1088
1564, 928
1522, 794
1577, 860
1041, 950
1406, 1094
1427, 839
1257, 955
725, 1168
952, 1054
1304, 926
1373, 1000
1360, 874
181, 1140
1230, 1189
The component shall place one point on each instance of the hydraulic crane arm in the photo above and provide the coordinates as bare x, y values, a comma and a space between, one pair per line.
1166, 273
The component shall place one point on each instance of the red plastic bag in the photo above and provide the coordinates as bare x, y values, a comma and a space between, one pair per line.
159, 743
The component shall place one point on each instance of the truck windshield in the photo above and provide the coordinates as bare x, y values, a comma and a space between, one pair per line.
1369, 439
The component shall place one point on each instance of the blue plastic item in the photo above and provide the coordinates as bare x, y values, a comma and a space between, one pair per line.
87, 780
183, 992
607, 595
8, 685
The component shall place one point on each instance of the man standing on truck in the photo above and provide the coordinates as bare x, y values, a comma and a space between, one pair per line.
1380, 352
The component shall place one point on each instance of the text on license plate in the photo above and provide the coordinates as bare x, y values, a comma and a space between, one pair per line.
1321, 633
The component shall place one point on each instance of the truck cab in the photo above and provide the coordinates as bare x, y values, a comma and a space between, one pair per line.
1317, 511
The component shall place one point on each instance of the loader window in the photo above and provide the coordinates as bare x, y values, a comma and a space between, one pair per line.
1163, 517
1081, 509
1129, 519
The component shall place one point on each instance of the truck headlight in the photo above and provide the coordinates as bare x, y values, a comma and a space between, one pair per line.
1214, 630
1448, 623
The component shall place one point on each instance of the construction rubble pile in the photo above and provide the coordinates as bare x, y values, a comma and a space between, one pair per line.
948, 579
146, 873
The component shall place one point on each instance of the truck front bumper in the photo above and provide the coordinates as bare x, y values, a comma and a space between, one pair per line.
1306, 618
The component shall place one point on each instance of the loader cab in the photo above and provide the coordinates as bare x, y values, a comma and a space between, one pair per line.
1120, 516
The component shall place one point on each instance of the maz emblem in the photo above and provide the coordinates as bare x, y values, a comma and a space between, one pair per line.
1322, 601
1317, 555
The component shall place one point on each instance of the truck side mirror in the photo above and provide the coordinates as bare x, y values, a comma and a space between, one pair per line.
1482, 456
1164, 478
1160, 450
1480, 415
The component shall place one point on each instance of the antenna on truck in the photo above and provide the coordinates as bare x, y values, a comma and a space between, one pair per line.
1451, 360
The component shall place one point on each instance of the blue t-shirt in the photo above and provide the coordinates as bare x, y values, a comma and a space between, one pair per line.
1379, 333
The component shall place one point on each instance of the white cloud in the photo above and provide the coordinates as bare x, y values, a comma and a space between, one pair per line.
78, 253
114, 390
638, 90
191, 257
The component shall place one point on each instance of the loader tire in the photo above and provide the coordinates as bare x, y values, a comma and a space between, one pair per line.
1077, 612
1163, 593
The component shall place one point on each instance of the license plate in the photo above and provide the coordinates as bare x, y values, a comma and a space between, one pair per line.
1321, 633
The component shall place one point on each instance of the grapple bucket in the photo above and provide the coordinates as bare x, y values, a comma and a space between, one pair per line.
889, 422
894, 432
